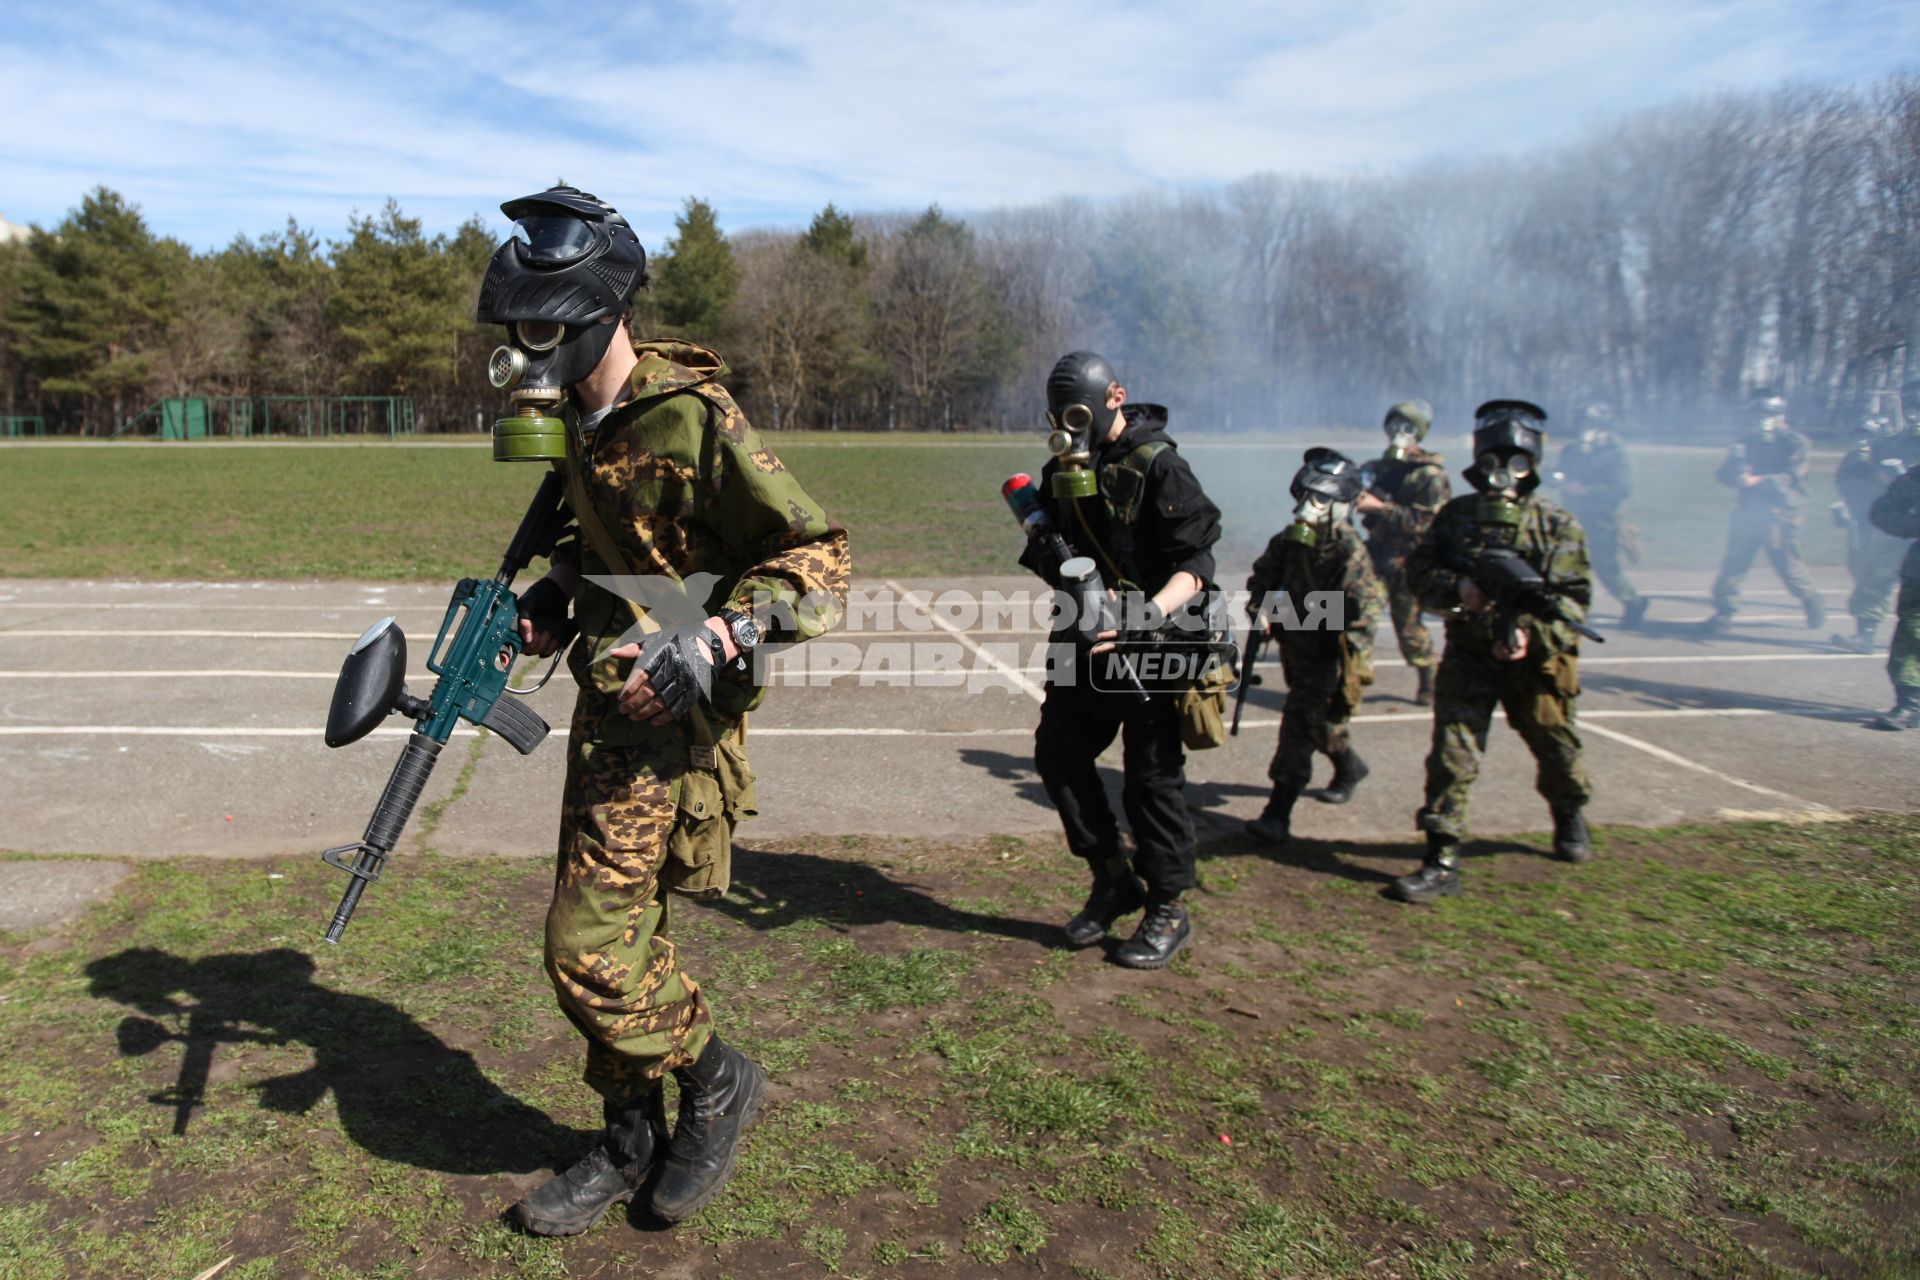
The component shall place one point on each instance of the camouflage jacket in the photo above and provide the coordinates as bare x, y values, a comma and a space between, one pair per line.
1414, 489
1601, 468
1547, 537
1863, 474
1339, 563
1781, 464
689, 492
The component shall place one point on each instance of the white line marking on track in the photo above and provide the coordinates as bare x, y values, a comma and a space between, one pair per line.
1031, 689
1674, 758
1411, 718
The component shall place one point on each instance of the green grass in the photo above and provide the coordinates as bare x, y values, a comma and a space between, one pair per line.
915, 506
1698, 1055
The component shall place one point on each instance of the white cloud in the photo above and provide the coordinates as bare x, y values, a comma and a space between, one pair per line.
217, 121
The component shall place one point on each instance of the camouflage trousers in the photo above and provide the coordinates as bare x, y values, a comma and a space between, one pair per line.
1873, 558
1750, 534
1903, 657
1603, 552
612, 965
1538, 696
1416, 642
1315, 720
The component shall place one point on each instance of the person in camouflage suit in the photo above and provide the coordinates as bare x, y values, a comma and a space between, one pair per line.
1409, 487
1534, 676
1597, 481
1767, 471
680, 507
1325, 669
1885, 450
1896, 513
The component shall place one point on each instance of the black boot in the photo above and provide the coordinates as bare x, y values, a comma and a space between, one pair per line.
1348, 770
1717, 622
610, 1174
719, 1096
1635, 612
1905, 713
1163, 931
1570, 842
1816, 610
1116, 892
1275, 823
1424, 694
1438, 877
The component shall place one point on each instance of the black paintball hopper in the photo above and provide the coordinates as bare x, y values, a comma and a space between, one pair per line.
370, 685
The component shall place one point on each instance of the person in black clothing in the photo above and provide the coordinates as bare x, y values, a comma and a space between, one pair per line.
1119, 492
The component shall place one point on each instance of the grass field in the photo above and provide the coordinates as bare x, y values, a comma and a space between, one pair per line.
916, 506
1697, 1056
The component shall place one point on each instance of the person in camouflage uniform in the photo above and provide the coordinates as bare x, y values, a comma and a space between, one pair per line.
1885, 450
1896, 513
1768, 473
1535, 677
1597, 481
1409, 487
682, 508
1325, 669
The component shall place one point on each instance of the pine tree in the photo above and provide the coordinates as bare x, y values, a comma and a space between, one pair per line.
696, 277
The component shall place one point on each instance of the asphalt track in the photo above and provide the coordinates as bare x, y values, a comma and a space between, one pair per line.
144, 720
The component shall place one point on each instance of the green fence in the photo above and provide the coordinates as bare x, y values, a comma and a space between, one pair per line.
241, 417
16, 425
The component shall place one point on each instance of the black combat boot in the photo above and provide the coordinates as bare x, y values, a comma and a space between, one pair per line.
1275, 823
1424, 694
1570, 841
1717, 622
1438, 877
1905, 713
610, 1174
1116, 892
1348, 770
719, 1095
1816, 610
1163, 931
1635, 613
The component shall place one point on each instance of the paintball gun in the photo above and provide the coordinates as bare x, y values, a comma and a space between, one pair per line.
1077, 575
1517, 588
473, 654
1256, 636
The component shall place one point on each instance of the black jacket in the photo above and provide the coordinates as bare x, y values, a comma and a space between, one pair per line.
1175, 524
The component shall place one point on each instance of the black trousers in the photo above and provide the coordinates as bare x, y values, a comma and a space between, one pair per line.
1076, 725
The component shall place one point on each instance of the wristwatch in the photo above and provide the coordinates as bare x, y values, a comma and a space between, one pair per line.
745, 631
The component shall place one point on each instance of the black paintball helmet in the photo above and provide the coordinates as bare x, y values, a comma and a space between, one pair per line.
1502, 428
571, 260
1769, 404
1329, 474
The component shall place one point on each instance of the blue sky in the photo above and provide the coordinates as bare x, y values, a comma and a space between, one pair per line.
224, 118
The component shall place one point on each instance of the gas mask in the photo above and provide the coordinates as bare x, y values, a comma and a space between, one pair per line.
1509, 439
1773, 416
560, 285
1077, 393
1504, 472
1589, 437
1406, 426
1323, 491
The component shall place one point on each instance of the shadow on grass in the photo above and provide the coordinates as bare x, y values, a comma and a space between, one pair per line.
402, 1093
774, 889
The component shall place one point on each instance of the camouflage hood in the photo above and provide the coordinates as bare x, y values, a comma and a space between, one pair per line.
668, 365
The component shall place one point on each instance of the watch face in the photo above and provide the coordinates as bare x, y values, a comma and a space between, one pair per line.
745, 630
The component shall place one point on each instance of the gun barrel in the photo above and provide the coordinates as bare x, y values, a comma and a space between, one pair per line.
539, 528
404, 785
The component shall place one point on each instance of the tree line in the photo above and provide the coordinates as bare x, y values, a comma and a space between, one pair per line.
1668, 263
